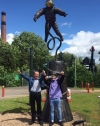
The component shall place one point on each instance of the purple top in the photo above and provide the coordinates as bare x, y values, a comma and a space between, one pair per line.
54, 91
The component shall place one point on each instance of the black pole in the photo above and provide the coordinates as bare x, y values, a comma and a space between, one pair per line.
31, 62
31, 68
92, 58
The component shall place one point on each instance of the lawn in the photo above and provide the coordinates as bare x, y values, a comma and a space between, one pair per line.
85, 104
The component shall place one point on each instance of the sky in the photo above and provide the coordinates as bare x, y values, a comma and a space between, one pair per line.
80, 28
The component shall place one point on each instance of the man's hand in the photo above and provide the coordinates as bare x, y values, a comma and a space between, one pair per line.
62, 72
19, 72
43, 72
46, 77
35, 19
65, 15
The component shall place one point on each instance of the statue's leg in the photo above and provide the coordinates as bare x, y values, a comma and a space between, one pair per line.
55, 28
47, 29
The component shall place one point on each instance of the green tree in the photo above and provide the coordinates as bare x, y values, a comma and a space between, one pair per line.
2, 76
67, 58
7, 57
23, 43
82, 74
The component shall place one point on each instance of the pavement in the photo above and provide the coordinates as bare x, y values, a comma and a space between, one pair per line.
13, 92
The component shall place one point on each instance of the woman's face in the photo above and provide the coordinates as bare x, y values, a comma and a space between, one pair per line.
54, 77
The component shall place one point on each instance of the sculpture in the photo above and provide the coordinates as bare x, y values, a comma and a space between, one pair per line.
54, 66
50, 16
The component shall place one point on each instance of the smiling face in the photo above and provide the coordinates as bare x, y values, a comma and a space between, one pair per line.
54, 77
36, 75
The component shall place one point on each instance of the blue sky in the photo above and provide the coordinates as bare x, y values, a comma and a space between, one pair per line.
81, 28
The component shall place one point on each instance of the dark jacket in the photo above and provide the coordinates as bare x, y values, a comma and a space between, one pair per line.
49, 81
31, 81
60, 80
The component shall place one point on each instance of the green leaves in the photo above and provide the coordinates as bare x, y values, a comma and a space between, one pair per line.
7, 57
23, 42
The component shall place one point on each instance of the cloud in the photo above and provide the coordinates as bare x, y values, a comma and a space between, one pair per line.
17, 33
10, 36
63, 34
81, 43
66, 24
54, 52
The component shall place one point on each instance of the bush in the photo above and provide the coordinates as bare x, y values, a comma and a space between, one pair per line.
11, 81
2, 76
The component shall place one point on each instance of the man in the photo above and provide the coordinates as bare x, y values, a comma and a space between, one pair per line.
35, 84
50, 16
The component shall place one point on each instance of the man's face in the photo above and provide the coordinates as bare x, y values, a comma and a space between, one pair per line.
36, 75
54, 77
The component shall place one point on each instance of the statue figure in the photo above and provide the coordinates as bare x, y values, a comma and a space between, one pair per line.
50, 16
54, 66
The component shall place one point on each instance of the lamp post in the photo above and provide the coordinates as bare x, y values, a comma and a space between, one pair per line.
75, 73
31, 62
31, 67
92, 58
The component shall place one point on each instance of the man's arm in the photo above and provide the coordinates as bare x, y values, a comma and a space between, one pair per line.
38, 14
43, 80
47, 80
61, 78
60, 12
24, 76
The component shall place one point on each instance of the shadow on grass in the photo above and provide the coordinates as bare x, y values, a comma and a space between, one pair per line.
21, 102
16, 110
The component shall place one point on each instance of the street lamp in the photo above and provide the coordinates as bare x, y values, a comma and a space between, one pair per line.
31, 62
75, 74
92, 59
31, 66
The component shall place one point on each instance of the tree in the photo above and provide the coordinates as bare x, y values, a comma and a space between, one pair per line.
82, 74
67, 58
7, 57
2, 76
24, 42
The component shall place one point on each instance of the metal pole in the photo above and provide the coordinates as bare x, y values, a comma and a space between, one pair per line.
31, 68
31, 62
75, 72
92, 58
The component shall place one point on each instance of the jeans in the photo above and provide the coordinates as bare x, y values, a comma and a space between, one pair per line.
55, 103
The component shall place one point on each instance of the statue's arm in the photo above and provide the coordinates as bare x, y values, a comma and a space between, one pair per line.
61, 79
60, 12
38, 14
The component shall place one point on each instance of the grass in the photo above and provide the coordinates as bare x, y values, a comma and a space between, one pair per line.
88, 106
85, 104
14, 105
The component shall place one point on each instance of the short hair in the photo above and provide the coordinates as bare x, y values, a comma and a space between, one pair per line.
35, 71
